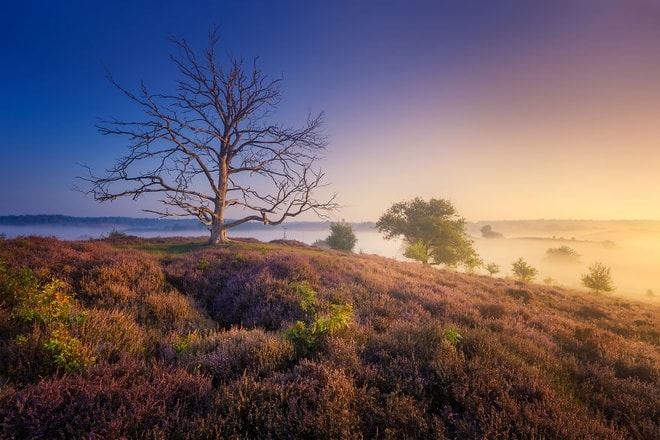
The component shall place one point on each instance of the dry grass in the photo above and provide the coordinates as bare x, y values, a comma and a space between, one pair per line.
190, 341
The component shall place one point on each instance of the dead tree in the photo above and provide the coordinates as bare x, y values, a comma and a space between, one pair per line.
212, 146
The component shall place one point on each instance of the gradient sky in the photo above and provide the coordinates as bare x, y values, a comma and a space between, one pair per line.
510, 109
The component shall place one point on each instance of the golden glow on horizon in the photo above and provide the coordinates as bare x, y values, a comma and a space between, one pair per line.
569, 131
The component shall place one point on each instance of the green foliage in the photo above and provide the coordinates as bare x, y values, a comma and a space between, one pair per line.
492, 268
452, 336
522, 271
301, 335
49, 305
429, 354
182, 344
16, 284
66, 352
307, 296
341, 237
472, 263
598, 279
338, 318
50, 308
418, 251
308, 335
433, 231
203, 263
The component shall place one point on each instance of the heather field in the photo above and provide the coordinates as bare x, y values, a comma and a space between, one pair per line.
170, 338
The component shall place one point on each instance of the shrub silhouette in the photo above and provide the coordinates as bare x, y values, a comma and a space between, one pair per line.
562, 254
492, 268
598, 279
432, 231
522, 271
341, 237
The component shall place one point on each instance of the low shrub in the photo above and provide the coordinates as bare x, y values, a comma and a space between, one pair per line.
199, 347
129, 401
226, 355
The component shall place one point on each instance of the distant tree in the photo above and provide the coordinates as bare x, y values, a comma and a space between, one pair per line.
341, 237
487, 232
211, 144
472, 263
492, 268
432, 231
562, 254
522, 271
598, 279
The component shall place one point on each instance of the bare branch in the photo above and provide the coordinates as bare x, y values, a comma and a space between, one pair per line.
211, 145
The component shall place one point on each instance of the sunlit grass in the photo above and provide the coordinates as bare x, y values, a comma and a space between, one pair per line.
194, 341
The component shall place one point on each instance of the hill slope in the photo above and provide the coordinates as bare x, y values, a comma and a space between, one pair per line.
170, 338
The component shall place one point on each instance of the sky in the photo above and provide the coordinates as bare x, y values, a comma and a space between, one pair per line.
512, 109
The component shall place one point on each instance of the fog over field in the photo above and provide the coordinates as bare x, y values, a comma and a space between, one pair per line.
630, 248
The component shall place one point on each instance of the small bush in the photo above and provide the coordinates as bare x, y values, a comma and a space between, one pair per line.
227, 355
49, 309
421, 360
492, 268
308, 335
67, 353
341, 237
523, 272
598, 279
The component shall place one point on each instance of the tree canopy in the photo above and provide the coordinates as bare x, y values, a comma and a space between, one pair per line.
598, 278
211, 144
562, 254
432, 231
341, 237
523, 271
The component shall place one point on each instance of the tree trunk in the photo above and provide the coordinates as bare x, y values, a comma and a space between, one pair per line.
218, 233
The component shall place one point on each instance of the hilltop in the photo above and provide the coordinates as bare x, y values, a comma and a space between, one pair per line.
170, 338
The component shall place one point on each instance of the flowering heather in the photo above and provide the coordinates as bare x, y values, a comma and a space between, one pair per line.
133, 338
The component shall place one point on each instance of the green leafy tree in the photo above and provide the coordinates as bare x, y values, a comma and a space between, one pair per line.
598, 279
522, 271
341, 237
419, 251
471, 264
432, 231
492, 268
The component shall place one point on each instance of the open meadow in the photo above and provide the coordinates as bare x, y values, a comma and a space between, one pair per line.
170, 338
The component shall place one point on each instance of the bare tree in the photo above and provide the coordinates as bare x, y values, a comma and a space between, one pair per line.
211, 145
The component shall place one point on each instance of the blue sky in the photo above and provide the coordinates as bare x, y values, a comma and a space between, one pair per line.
511, 109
